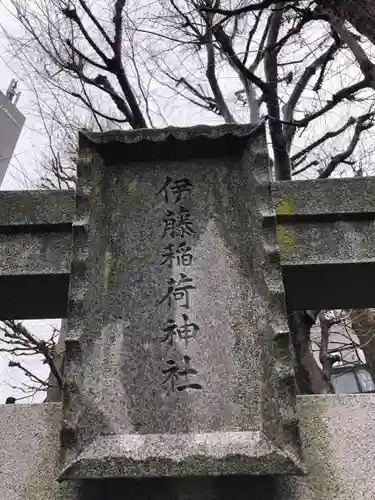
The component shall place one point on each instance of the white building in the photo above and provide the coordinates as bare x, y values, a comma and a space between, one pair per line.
11, 123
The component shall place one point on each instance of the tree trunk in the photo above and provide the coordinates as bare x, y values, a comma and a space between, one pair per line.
54, 392
359, 13
309, 376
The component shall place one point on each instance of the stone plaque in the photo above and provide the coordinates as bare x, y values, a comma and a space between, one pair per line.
177, 353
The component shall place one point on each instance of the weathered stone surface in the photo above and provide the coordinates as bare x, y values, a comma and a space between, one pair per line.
337, 435
146, 395
29, 458
324, 197
326, 233
35, 251
29, 451
36, 208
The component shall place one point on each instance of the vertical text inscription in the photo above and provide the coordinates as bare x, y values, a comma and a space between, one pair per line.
178, 225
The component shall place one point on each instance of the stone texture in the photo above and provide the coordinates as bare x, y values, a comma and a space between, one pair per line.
327, 197
29, 451
35, 252
39, 208
337, 435
326, 233
144, 395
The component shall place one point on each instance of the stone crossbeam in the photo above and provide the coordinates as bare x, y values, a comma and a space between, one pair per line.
325, 230
326, 234
35, 248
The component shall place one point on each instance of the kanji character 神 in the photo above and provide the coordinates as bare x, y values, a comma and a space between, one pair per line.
185, 332
171, 331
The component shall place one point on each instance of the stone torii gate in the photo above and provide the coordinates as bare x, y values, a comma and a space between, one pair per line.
177, 349
324, 228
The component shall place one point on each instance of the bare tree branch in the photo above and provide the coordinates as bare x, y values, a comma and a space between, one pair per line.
260, 52
306, 17
95, 21
242, 10
338, 97
279, 144
367, 67
117, 21
27, 372
328, 135
73, 15
83, 57
96, 111
300, 87
208, 103
344, 155
308, 166
40, 345
329, 57
101, 82
211, 103
226, 45
251, 35
211, 74
363, 325
253, 102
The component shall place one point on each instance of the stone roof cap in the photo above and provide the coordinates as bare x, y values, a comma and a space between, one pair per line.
171, 142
